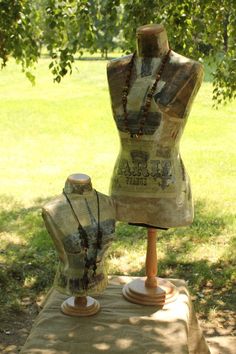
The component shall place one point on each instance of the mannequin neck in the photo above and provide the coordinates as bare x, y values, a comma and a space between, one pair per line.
152, 41
78, 184
79, 189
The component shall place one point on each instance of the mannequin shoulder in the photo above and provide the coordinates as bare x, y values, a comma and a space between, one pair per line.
182, 79
184, 67
55, 205
119, 65
116, 75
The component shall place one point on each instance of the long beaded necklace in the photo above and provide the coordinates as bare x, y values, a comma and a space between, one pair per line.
85, 240
148, 100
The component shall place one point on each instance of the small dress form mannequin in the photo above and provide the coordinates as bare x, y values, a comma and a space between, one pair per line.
151, 95
81, 223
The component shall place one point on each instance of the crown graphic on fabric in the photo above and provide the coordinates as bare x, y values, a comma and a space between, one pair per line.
140, 156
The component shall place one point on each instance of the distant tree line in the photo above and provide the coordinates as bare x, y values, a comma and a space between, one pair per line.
196, 28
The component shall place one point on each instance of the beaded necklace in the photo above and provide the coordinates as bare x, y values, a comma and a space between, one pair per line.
85, 240
148, 100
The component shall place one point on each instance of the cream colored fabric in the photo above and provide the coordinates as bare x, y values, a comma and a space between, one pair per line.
120, 327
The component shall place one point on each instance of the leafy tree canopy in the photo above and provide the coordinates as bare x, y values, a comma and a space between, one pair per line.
196, 28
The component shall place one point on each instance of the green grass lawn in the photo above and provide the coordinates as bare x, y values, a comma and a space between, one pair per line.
50, 131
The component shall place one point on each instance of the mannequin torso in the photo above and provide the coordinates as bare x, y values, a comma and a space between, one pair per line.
149, 182
74, 220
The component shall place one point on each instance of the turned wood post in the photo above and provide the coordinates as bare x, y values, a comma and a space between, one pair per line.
80, 301
151, 259
151, 290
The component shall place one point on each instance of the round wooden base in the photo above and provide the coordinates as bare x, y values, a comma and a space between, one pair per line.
90, 308
138, 293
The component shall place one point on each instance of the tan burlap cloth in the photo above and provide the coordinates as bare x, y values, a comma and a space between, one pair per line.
119, 327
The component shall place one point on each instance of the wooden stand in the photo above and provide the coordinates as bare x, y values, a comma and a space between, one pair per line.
80, 306
150, 290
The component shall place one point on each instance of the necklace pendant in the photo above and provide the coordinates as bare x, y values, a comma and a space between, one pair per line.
136, 136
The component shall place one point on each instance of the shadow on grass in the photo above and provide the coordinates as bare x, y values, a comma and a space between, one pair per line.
28, 258
210, 282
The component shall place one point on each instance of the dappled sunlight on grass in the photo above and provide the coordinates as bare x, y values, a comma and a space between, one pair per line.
130, 262
202, 254
27, 256
207, 238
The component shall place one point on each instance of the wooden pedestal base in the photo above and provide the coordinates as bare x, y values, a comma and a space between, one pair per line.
73, 307
138, 293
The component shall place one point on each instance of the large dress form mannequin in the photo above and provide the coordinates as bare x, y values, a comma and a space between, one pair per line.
81, 222
150, 185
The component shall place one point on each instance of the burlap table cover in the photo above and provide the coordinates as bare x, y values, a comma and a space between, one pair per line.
120, 327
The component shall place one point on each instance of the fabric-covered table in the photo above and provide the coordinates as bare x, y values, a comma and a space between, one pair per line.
119, 327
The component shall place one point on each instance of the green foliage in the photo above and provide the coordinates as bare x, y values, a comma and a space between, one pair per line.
106, 19
18, 35
68, 28
196, 28
225, 78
